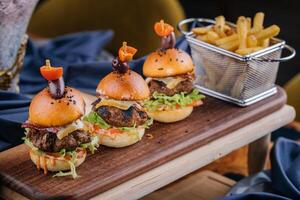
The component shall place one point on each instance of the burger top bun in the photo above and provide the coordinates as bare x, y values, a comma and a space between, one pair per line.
46, 111
128, 86
169, 62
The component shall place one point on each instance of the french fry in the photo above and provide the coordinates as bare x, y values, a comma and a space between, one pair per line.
252, 41
269, 32
201, 30
227, 39
258, 21
212, 37
242, 31
265, 43
248, 36
219, 26
202, 38
248, 23
231, 45
247, 51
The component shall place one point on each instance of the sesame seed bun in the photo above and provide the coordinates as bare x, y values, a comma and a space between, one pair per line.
48, 112
124, 86
170, 62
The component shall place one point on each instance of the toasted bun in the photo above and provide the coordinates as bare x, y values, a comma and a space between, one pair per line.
171, 62
169, 116
120, 139
54, 164
47, 112
127, 86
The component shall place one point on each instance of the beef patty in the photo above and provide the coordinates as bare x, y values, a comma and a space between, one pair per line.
122, 118
48, 142
160, 87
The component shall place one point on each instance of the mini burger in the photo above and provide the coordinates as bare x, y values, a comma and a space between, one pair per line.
117, 115
170, 73
54, 129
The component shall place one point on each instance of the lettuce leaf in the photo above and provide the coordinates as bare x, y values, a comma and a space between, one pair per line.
180, 99
147, 124
72, 171
94, 118
93, 145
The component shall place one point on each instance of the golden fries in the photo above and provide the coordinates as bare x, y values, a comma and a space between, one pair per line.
252, 41
269, 32
248, 36
224, 40
219, 26
242, 31
247, 51
231, 45
200, 30
212, 36
258, 21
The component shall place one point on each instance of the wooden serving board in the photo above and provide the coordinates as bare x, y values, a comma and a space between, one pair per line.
109, 167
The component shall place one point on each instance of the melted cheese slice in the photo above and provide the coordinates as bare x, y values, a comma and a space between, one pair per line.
123, 105
66, 130
171, 82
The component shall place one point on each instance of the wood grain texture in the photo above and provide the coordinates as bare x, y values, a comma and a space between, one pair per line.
183, 165
258, 153
204, 185
111, 167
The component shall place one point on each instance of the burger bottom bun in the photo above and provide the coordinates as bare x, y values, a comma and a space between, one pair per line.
168, 116
58, 163
123, 139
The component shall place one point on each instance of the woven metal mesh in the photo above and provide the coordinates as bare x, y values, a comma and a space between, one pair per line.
233, 77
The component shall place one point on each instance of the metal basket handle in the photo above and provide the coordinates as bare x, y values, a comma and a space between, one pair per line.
283, 59
191, 20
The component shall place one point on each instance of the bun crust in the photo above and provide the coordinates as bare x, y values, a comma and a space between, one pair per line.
128, 86
120, 140
57, 164
171, 62
48, 112
169, 116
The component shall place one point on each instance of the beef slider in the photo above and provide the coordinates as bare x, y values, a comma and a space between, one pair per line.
160, 87
122, 118
48, 142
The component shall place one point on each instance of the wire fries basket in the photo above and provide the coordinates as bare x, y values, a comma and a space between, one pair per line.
242, 80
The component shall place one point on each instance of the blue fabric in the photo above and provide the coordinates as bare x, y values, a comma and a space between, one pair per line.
79, 55
281, 182
72, 49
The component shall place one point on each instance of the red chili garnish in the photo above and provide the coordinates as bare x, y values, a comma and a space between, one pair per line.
51, 73
163, 29
126, 53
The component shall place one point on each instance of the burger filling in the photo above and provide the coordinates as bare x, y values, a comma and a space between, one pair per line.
64, 140
172, 93
118, 116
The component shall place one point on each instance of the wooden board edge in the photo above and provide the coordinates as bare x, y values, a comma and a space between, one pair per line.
185, 164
